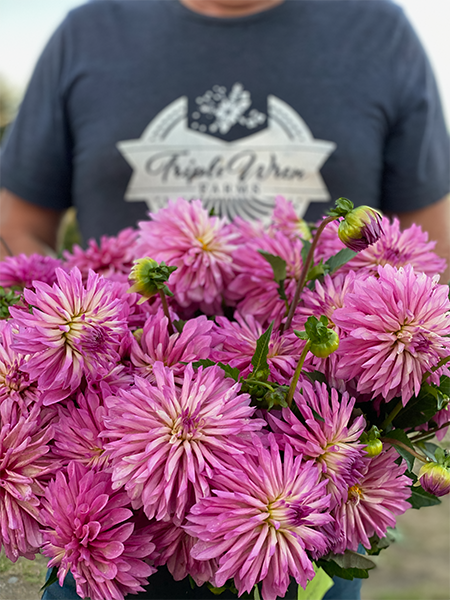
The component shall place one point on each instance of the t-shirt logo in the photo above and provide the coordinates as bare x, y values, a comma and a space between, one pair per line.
233, 155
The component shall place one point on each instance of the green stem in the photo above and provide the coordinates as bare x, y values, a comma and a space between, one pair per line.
391, 416
165, 306
296, 376
400, 444
303, 275
428, 434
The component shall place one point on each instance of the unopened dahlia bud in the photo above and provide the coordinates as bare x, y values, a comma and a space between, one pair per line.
323, 341
360, 228
149, 277
435, 478
374, 445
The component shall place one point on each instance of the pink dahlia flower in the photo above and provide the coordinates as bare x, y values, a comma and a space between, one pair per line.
234, 343
23, 470
73, 331
22, 270
78, 432
396, 329
15, 383
286, 220
399, 249
254, 289
332, 442
200, 246
112, 258
89, 532
373, 502
166, 439
155, 344
174, 547
324, 300
262, 521
247, 230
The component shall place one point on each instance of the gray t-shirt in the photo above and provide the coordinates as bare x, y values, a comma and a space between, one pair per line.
137, 101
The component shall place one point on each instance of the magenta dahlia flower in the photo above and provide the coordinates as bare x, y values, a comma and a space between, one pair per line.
24, 467
112, 258
332, 442
399, 249
396, 328
15, 383
234, 343
78, 431
200, 246
88, 530
73, 331
166, 439
174, 546
286, 220
155, 344
373, 502
22, 270
254, 289
262, 521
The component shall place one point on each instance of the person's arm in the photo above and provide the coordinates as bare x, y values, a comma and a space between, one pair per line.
435, 219
26, 227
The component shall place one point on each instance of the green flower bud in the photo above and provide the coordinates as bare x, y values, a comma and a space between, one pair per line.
149, 278
435, 478
374, 448
374, 445
323, 340
360, 228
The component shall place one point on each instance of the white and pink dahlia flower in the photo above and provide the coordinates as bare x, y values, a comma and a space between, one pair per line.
74, 330
395, 328
200, 246
167, 440
88, 529
262, 521
22, 270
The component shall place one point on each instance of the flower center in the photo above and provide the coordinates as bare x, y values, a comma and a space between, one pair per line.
355, 495
186, 427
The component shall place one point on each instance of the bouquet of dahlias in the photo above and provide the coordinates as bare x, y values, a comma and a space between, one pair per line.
246, 404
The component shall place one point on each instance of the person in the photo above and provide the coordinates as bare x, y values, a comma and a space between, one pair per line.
234, 101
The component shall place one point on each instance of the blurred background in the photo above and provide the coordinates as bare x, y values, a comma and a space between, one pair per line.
417, 567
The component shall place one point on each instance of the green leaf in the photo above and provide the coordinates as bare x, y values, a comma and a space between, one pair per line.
315, 376
305, 250
339, 259
179, 324
317, 416
428, 448
400, 435
420, 409
349, 565
203, 362
277, 263
419, 497
259, 359
53, 578
317, 587
256, 595
232, 372
378, 544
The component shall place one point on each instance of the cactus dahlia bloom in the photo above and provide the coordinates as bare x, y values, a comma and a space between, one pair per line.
373, 502
73, 331
394, 328
155, 344
167, 439
254, 289
185, 236
332, 443
14, 381
399, 249
87, 530
262, 521
78, 431
22, 270
112, 258
286, 220
234, 343
23, 470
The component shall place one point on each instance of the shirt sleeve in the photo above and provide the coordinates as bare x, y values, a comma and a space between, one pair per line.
36, 159
417, 150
